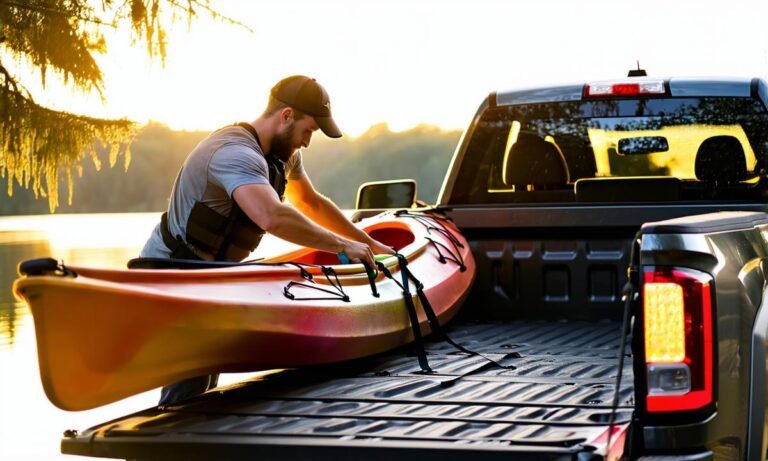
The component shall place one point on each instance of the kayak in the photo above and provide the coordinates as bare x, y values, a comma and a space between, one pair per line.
106, 334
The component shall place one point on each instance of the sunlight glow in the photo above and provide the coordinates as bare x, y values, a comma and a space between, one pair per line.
445, 57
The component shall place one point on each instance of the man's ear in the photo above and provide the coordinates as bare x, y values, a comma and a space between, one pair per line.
286, 114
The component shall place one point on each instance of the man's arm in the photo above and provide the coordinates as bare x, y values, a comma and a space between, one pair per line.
261, 204
320, 209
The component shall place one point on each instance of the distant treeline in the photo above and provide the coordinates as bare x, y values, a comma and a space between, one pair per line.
336, 168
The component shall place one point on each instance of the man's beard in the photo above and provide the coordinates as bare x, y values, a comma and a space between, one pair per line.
281, 145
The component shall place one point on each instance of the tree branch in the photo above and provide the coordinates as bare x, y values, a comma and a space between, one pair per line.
45, 9
214, 14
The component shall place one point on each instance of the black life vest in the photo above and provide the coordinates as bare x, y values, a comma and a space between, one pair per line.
211, 235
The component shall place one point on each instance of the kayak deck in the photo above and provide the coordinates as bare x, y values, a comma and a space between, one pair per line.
555, 404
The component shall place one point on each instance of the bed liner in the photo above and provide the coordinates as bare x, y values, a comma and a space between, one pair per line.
555, 404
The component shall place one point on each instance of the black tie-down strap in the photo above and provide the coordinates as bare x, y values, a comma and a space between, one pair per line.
434, 223
434, 323
335, 294
371, 272
411, 308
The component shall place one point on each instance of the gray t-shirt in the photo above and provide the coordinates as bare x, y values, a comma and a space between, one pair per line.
222, 162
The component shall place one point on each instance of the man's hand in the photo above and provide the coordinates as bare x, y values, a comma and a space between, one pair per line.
379, 248
358, 252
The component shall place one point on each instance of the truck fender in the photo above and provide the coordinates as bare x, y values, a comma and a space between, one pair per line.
757, 426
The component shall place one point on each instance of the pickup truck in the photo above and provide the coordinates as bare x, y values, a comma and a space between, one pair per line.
620, 234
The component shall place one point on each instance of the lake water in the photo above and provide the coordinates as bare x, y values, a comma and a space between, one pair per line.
30, 426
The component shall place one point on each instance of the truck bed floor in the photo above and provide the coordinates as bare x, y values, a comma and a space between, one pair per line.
554, 402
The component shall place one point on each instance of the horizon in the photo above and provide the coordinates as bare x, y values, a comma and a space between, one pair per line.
383, 125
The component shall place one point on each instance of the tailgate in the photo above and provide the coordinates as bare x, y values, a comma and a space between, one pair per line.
555, 404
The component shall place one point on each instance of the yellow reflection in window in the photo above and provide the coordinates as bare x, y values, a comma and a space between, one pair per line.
683, 140
514, 132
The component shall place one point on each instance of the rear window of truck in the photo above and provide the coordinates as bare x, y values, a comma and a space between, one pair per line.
616, 150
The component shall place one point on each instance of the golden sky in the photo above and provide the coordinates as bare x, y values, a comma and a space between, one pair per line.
406, 62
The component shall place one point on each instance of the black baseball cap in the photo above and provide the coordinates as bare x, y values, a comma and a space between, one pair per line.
308, 96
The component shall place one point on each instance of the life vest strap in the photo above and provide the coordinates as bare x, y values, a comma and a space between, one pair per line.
179, 248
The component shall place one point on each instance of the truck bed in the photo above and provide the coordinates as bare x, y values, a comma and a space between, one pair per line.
554, 404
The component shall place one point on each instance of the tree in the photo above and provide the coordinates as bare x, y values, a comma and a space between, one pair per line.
60, 36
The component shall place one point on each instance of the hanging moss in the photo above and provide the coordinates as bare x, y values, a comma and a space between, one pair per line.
38, 144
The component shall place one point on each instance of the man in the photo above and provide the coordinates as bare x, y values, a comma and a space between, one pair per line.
230, 190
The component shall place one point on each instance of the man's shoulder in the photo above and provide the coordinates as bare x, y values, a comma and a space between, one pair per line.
232, 144
236, 152
234, 137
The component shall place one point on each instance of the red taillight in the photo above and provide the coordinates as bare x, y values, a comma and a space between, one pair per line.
614, 89
678, 335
